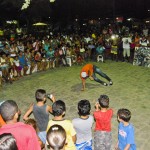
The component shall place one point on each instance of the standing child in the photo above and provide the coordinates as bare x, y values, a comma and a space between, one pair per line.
83, 126
41, 112
59, 109
103, 116
125, 131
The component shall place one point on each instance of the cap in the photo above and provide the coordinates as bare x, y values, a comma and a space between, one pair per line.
83, 74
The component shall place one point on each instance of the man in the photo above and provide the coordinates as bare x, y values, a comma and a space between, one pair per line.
25, 135
90, 71
126, 46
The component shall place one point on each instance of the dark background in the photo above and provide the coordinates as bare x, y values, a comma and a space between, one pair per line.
71, 9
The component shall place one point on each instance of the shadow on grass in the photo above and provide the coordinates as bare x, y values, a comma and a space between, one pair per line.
78, 87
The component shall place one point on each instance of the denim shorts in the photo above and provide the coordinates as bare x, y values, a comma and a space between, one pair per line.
42, 136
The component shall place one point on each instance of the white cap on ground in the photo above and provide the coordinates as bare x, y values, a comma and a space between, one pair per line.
83, 75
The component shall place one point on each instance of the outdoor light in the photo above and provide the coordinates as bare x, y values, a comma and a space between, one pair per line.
25, 4
52, 1
113, 37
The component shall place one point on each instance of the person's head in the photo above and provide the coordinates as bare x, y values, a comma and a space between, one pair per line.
124, 114
7, 142
56, 137
31, 122
9, 110
84, 75
58, 108
40, 95
84, 107
103, 101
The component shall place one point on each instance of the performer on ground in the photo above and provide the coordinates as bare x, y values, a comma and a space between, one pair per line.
90, 71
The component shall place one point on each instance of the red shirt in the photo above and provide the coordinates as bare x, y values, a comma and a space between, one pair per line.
88, 68
103, 120
25, 135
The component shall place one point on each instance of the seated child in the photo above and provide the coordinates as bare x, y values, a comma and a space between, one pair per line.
83, 126
56, 137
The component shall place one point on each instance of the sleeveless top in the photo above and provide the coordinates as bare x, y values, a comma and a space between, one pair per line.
41, 116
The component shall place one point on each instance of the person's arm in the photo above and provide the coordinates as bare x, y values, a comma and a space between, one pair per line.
127, 147
83, 85
74, 138
28, 112
97, 106
49, 108
116, 146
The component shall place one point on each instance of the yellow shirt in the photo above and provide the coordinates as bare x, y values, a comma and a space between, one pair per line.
70, 131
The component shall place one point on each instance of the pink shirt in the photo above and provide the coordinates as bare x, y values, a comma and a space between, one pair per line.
103, 120
25, 135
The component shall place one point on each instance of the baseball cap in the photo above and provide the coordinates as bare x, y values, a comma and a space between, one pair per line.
83, 74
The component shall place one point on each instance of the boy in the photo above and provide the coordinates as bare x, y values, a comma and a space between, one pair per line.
41, 112
83, 126
25, 135
125, 131
103, 116
59, 110
90, 71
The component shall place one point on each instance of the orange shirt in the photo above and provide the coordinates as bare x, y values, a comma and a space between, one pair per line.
88, 68
137, 40
2, 122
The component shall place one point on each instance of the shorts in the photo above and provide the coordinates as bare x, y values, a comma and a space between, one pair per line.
102, 140
42, 136
84, 146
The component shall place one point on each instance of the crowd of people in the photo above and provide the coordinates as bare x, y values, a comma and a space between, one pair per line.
24, 54
59, 133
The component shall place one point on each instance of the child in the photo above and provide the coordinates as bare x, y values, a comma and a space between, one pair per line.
59, 110
102, 135
7, 142
56, 137
83, 126
41, 112
125, 131
33, 123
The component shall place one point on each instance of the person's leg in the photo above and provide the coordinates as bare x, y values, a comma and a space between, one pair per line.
108, 140
98, 71
99, 140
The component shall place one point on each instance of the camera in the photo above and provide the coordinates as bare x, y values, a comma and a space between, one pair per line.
49, 96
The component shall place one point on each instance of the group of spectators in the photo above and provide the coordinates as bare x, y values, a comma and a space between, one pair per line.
26, 54
59, 133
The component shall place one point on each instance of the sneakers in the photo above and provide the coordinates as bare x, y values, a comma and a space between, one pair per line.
105, 84
110, 83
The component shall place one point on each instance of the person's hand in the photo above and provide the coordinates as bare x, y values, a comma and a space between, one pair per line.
52, 98
97, 106
91, 78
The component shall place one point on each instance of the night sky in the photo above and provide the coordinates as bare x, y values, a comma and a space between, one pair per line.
68, 9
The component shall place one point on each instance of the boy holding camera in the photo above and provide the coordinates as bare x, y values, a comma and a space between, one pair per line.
41, 112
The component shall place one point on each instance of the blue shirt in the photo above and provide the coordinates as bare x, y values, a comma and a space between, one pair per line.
126, 136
